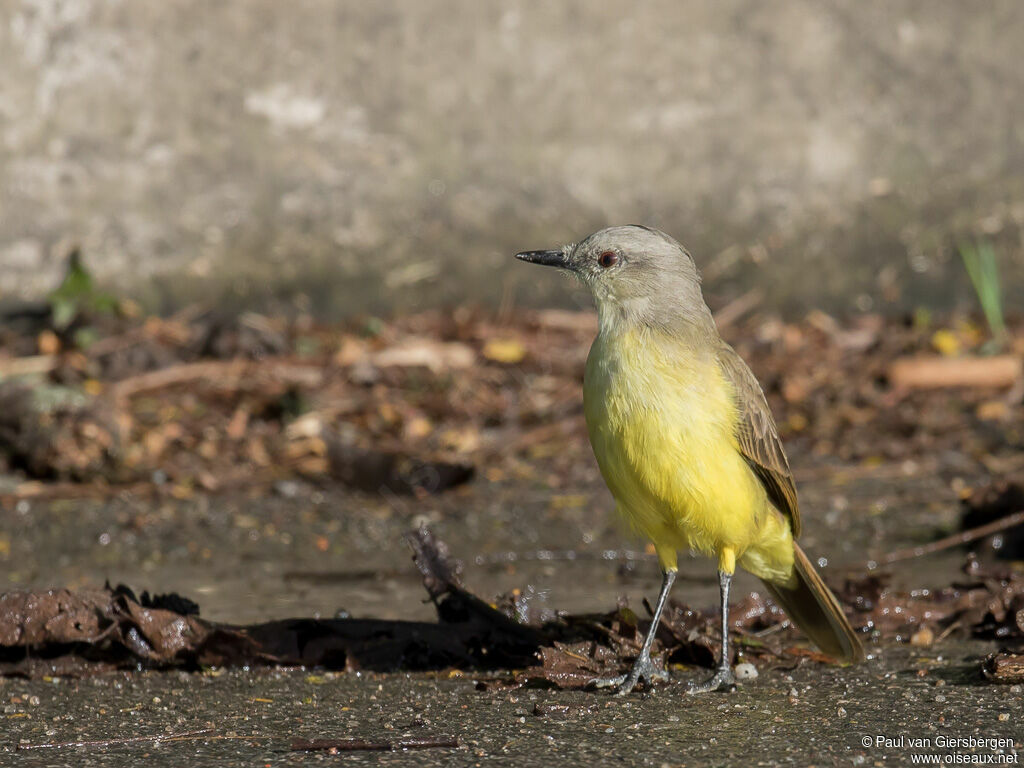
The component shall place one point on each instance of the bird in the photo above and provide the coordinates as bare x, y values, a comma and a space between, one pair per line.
686, 442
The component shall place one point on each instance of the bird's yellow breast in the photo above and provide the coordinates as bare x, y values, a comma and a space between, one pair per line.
662, 422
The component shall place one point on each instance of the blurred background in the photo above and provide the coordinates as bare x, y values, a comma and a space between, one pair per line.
347, 157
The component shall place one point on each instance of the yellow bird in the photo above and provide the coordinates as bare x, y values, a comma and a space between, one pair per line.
685, 439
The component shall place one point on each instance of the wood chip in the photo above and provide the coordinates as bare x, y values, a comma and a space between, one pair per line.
1004, 667
922, 372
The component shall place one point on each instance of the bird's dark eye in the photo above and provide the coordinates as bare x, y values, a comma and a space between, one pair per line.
608, 259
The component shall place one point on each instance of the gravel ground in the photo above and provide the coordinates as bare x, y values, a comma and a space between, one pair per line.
811, 715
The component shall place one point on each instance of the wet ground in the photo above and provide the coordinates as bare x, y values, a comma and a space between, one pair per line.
320, 550
306, 550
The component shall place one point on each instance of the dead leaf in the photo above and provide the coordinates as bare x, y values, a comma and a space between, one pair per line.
507, 351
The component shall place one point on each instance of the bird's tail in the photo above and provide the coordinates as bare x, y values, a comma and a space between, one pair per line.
814, 609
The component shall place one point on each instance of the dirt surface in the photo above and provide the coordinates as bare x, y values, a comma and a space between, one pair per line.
793, 713
810, 715
882, 468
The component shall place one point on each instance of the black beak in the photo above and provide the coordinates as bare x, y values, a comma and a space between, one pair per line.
545, 258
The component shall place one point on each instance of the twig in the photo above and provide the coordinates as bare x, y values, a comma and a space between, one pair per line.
884, 471
565, 320
39, 491
160, 331
361, 745
27, 366
738, 307
964, 537
931, 372
125, 740
949, 630
558, 427
227, 374
35, 489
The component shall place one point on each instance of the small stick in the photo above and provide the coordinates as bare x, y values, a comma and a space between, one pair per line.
32, 489
27, 366
361, 745
142, 332
963, 537
931, 372
738, 307
227, 374
125, 740
949, 630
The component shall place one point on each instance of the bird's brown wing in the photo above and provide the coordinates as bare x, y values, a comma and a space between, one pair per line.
759, 438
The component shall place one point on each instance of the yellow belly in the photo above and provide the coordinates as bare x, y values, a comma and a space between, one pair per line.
662, 420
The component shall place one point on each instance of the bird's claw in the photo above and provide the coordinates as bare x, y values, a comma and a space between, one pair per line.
643, 669
722, 680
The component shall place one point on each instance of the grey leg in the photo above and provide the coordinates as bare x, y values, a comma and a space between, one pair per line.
723, 679
643, 667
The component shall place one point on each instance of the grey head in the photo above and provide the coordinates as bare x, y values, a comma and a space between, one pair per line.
637, 275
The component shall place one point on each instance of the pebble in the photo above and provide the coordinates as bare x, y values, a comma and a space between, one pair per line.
923, 637
288, 489
745, 671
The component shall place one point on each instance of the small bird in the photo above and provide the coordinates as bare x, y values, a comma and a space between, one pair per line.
685, 439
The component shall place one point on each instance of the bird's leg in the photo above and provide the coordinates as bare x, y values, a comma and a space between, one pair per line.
723, 679
643, 667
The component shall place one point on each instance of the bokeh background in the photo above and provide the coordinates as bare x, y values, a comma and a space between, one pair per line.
351, 157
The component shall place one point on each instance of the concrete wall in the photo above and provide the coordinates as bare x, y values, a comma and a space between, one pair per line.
369, 154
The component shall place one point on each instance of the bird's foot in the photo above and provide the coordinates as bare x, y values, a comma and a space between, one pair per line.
643, 669
722, 680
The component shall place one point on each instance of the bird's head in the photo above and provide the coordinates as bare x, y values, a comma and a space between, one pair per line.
636, 274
